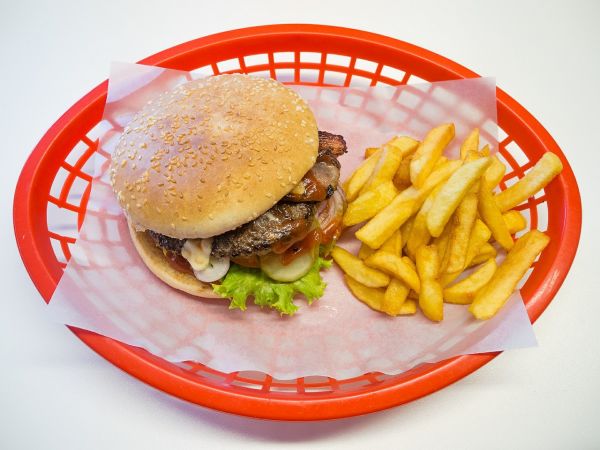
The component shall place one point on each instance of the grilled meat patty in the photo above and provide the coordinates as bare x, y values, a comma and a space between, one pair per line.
286, 222
280, 226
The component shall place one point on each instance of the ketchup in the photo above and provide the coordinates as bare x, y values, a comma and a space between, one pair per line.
247, 261
298, 248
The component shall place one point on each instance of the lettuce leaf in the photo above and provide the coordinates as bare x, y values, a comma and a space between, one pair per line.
243, 282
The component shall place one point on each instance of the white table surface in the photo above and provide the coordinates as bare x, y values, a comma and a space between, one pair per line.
57, 393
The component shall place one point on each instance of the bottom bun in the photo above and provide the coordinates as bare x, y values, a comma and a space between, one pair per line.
155, 259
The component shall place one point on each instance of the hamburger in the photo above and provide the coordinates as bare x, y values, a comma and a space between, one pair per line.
230, 190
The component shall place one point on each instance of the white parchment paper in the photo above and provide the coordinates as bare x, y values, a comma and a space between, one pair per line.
107, 289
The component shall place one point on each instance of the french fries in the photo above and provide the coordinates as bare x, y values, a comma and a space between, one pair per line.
356, 268
515, 221
370, 203
395, 296
375, 299
470, 144
385, 169
492, 297
463, 292
426, 219
458, 240
452, 193
429, 152
536, 179
395, 266
361, 175
430, 295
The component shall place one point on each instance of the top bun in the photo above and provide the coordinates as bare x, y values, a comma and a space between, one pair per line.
213, 154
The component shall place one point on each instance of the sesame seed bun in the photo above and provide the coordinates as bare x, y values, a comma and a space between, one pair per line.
155, 260
213, 154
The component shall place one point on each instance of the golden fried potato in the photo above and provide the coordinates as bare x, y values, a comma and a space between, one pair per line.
431, 299
361, 175
406, 145
393, 244
419, 234
515, 221
365, 251
402, 176
486, 252
452, 193
470, 144
493, 174
463, 292
369, 151
357, 269
372, 297
492, 217
395, 266
537, 178
429, 152
519, 259
385, 169
381, 227
370, 203
458, 241
395, 297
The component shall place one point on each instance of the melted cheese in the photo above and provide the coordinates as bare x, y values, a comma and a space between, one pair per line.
197, 254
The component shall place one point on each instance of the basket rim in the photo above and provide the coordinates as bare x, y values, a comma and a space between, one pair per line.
165, 377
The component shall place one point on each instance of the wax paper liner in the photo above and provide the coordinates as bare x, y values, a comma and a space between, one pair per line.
107, 289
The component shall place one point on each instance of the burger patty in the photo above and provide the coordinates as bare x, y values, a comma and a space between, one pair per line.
286, 222
282, 225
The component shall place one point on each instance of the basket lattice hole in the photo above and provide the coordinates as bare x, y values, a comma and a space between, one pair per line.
284, 57
517, 154
354, 384
310, 57
317, 384
57, 246
333, 59
542, 210
261, 59
62, 221
334, 78
366, 65
202, 72
258, 73
249, 380
229, 65
285, 75
309, 75
288, 386
99, 130
77, 153
393, 75
502, 135
415, 79
357, 80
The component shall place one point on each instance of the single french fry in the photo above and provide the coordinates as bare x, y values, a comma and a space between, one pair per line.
372, 297
369, 151
441, 243
470, 144
393, 244
370, 203
485, 150
365, 251
395, 266
515, 221
406, 145
419, 234
381, 227
394, 297
492, 217
431, 299
406, 229
519, 259
463, 292
486, 252
428, 153
357, 269
479, 236
385, 169
402, 176
493, 174
462, 224
361, 175
452, 193
537, 178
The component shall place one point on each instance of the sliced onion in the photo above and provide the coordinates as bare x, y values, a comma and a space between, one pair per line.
217, 268
331, 209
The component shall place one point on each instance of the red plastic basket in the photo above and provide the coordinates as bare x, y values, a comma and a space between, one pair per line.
304, 54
